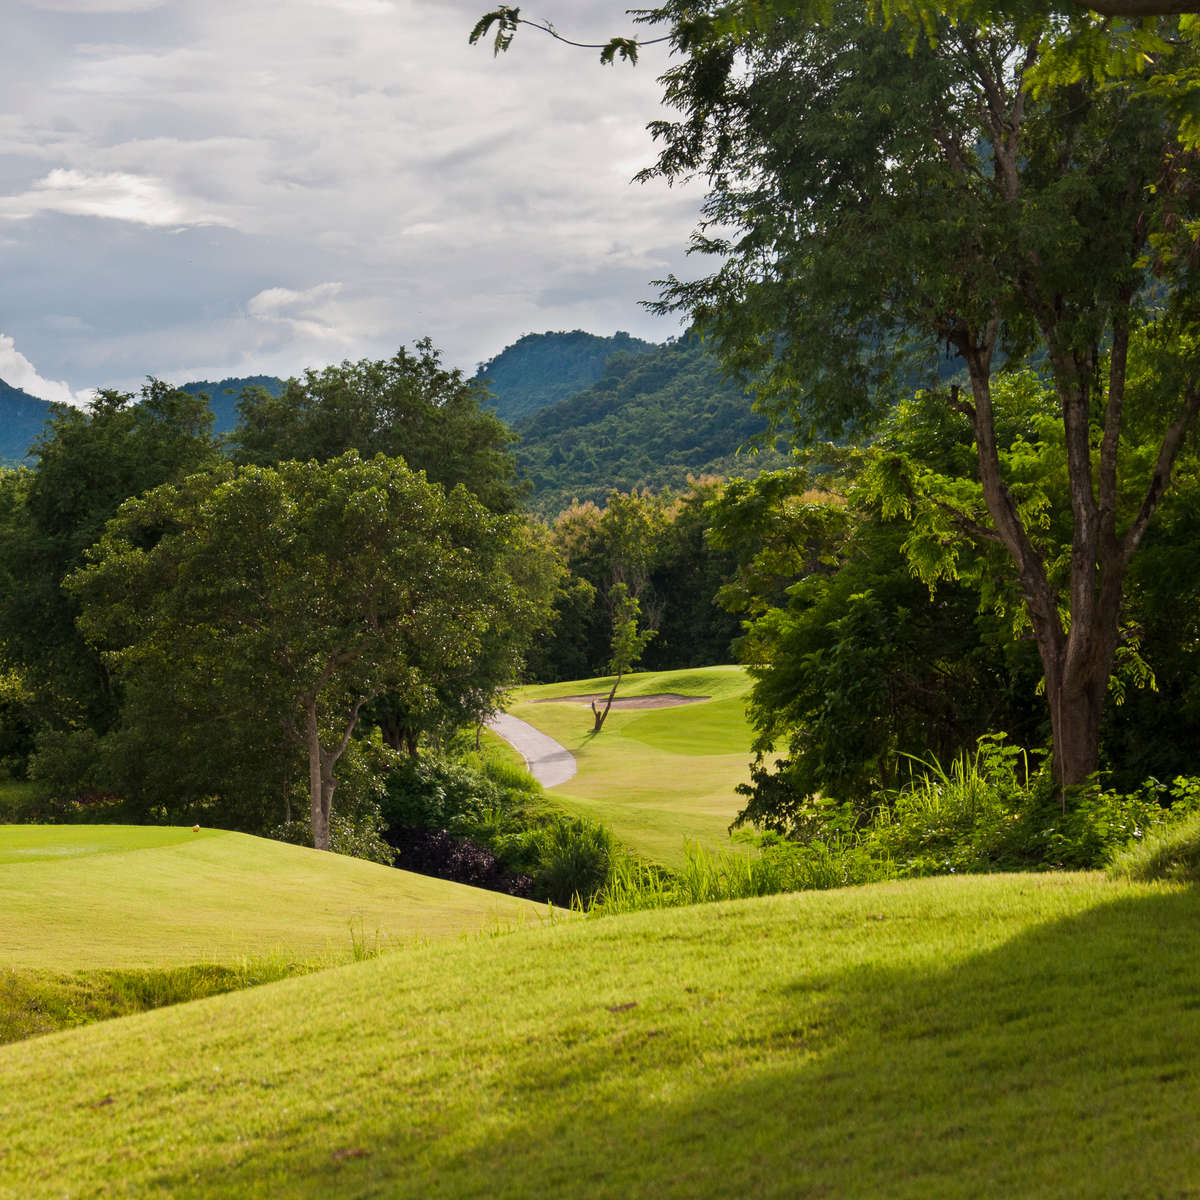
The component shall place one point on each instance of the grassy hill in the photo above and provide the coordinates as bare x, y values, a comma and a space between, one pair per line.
98, 896
981, 1037
659, 778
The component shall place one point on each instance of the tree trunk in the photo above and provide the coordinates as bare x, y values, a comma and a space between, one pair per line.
320, 781
600, 716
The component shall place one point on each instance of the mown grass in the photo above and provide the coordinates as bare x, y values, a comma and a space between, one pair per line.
658, 778
992, 1036
98, 897
104, 921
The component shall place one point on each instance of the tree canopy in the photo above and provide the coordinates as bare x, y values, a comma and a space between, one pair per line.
293, 596
408, 406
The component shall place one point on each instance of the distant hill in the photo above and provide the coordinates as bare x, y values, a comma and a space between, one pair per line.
541, 369
21, 420
223, 396
22, 415
650, 421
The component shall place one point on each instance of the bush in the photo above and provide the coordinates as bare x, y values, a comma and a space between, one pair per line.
445, 856
575, 861
357, 835
429, 792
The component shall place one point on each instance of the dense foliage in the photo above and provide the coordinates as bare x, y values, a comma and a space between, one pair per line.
648, 422
87, 463
409, 406
654, 547
881, 192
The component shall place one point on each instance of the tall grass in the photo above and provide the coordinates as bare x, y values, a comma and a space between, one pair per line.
709, 876
1171, 854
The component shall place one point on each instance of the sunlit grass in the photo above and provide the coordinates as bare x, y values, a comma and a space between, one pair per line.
991, 1036
88, 897
659, 778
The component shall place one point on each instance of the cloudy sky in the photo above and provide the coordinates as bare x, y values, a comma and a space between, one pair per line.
195, 189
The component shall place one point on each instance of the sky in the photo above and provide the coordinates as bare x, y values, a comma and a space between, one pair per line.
199, 189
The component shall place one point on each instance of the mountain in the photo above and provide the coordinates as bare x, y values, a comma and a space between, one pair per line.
21, 420
541, 369
22, 415
223, 396
649, 421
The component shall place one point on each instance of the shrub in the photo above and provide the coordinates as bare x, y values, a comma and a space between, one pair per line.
429, 792
575, 859
359, 835
446, 856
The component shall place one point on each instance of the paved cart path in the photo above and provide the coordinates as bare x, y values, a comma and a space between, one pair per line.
549, 762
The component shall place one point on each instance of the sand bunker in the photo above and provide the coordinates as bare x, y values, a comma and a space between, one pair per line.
662, 700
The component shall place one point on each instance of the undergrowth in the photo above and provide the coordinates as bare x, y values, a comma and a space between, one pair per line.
988, 811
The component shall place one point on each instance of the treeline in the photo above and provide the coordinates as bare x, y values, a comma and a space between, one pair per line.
199, 630
330, 603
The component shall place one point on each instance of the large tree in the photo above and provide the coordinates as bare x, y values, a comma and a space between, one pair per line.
1007, 187
87, 462
878, 195
293, 596
409, 406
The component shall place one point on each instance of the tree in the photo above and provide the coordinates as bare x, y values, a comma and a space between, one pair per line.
878, 193
88, 462
293, 596
628, 642
408, 406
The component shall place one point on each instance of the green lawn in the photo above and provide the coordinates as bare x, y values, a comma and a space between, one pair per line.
955, 1037
659, 778
79, 897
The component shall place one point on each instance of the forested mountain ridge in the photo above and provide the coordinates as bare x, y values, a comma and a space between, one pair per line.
645, 415
21, 420
649, 421
22, 415
540, 369
223, 396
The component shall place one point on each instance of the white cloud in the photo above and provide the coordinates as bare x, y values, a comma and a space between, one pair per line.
453, 194
95, 6
116, 196
272, 301
17, 371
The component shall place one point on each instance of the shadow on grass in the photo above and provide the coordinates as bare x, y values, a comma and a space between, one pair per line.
1064, 1062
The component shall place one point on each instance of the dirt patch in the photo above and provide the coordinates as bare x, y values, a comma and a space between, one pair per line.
662, 700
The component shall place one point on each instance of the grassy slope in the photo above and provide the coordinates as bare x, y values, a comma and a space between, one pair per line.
994, 1036
657, 777
84, 897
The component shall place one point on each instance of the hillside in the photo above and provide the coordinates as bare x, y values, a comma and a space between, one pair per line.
22, 415
21, 419
649, 421
991, 1036
76, 897
541, 369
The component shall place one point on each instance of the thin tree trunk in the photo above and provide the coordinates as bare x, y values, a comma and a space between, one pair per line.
319, 797
600, 716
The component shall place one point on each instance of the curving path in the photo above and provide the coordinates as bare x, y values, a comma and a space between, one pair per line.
549, 762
